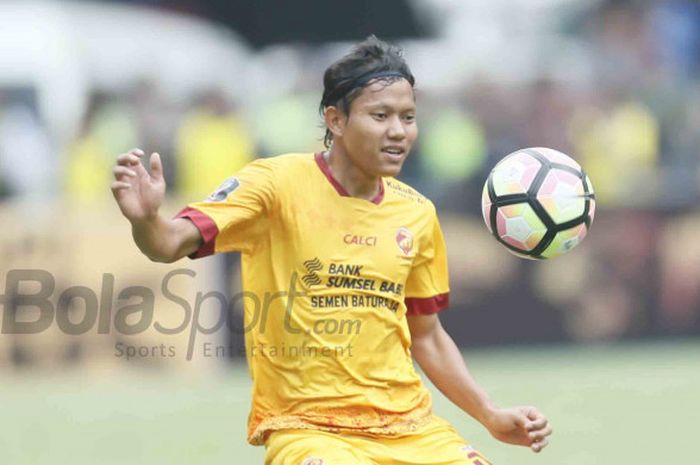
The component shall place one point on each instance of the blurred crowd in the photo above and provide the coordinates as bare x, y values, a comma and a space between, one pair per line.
199, 145
632, 121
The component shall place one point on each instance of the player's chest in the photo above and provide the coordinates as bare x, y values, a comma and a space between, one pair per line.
350, 247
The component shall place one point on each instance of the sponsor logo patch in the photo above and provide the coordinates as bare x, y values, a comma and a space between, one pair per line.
354, 239
224, 190
312, 266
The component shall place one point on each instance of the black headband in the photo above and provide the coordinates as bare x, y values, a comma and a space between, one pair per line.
347, 86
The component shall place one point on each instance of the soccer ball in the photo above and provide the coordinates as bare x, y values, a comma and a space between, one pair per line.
538, 202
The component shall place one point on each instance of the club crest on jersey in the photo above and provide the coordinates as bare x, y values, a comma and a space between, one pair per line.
224, 190
404, 239
313, 461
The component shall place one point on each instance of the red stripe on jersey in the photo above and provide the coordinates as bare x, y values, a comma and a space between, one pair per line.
206, 227
426, 305
325, 169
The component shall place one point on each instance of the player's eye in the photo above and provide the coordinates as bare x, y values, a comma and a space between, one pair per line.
379, 115
409, 118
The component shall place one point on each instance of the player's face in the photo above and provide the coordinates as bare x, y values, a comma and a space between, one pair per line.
381, 128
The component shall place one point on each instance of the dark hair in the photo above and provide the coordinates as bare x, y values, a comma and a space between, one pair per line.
369, 61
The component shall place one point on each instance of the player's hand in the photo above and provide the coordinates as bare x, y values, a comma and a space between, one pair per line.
524, 426
138, 193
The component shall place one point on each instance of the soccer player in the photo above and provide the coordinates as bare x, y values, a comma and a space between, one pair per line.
347, 271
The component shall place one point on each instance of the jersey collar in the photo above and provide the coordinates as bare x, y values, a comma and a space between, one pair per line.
326, 170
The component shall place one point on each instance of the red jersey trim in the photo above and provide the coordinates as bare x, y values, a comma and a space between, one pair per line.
326, 170
206, 227
427, 305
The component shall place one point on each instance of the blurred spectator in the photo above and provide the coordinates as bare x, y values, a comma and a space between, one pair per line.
104, 132
27, 160
549, 107
619, 147
156, 124
290, 123
621, 43
675, 29
453, 145
212, 144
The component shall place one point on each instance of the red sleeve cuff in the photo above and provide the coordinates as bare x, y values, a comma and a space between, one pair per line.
427, 305
206, 227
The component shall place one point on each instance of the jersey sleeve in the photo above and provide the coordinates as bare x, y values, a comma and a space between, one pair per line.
427, 286
236, 215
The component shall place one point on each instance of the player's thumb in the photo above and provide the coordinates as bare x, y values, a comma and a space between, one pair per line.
156, 166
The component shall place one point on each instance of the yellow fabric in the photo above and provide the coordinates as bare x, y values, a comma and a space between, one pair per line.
326, 276
435, 444
88, 171
207, 146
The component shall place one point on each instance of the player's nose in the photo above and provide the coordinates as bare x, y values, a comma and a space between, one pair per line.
396, 129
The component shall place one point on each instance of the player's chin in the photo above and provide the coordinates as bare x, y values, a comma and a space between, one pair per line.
390, 166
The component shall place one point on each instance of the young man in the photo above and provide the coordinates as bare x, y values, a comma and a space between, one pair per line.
335, 240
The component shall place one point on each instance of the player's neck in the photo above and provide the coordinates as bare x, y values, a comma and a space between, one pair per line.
356, 182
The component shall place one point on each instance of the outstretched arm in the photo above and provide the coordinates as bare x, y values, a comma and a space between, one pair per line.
442, 362
139, 196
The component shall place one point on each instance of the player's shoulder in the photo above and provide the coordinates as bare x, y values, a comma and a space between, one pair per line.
277, 167
401, 192
286, 161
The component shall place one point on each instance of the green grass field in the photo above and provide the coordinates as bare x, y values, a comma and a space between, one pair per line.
636, 404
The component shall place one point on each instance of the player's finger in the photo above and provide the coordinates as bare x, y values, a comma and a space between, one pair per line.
156, 166
134, 154
127, 159
536, 424
119, 185
536, 436
538, 446
120, 171
532, 413
537, 419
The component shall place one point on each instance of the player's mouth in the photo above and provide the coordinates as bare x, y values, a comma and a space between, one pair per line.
394, 152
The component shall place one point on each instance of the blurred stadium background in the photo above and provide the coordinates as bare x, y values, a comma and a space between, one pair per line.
605, 340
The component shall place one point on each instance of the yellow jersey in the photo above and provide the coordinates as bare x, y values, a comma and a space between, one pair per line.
328, 281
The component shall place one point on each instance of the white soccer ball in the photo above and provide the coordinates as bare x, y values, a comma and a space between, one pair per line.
538, 203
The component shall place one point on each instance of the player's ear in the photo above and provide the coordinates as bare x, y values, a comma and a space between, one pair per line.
335, 120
